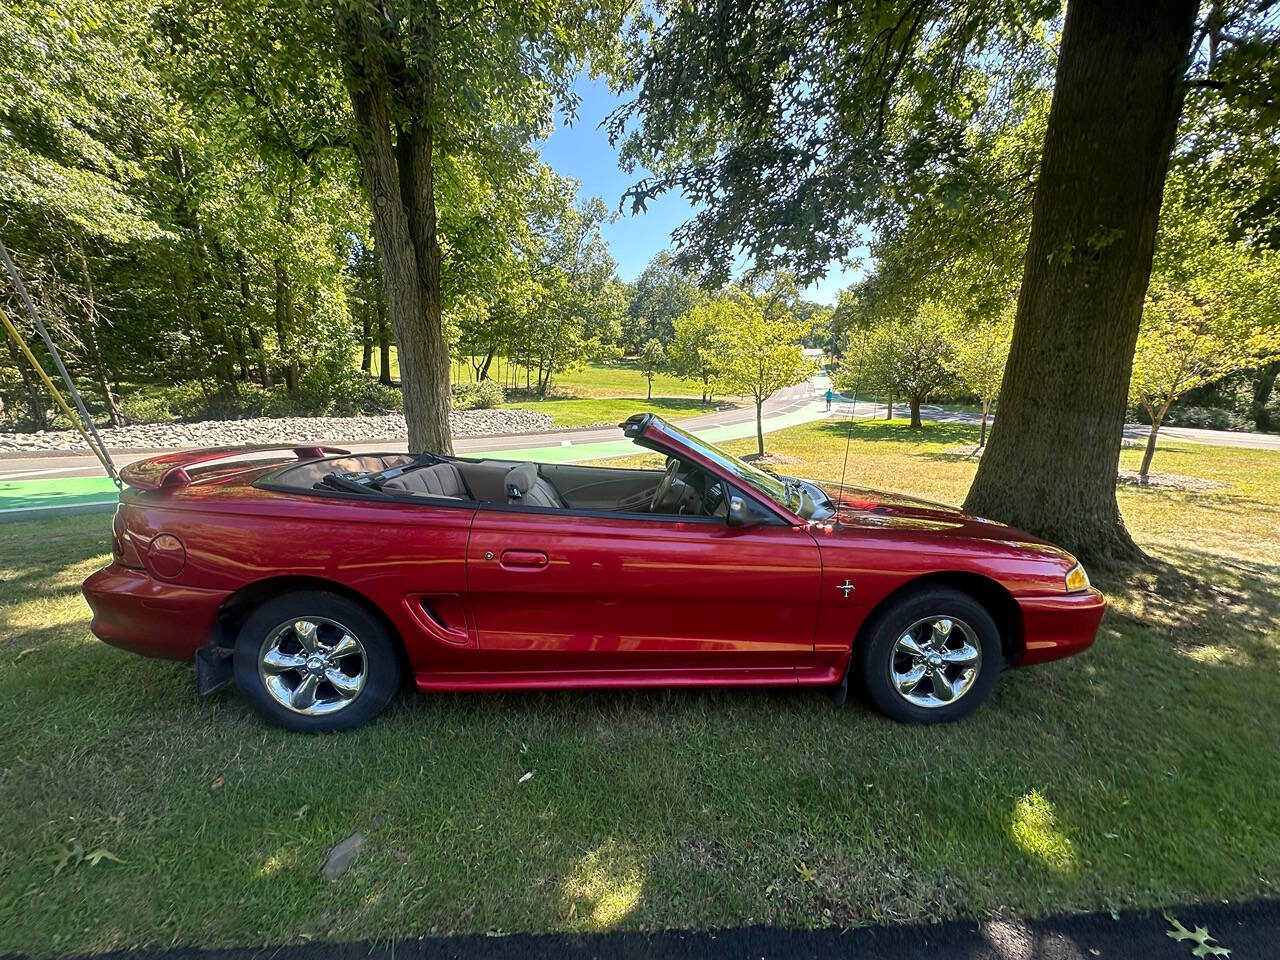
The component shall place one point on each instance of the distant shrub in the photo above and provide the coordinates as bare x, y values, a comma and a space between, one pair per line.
477, 395
144, 409
1206, 418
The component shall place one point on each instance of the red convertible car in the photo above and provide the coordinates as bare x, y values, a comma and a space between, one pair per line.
319, 580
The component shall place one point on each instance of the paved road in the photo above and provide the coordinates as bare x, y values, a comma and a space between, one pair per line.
37, 484
1134, 431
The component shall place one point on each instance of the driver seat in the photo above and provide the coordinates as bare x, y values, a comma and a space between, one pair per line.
528, 489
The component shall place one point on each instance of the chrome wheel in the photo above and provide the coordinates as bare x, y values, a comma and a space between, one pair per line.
935, 661
312, 665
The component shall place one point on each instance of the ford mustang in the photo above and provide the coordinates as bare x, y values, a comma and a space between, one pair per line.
319, 580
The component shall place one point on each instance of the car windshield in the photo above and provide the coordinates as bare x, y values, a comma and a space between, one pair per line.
802, 498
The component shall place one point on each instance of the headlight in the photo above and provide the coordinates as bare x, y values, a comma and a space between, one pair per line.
1077, 579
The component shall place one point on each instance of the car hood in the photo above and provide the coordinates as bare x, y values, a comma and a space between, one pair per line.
858, 508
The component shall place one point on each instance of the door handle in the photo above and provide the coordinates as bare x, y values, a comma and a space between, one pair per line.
524, 559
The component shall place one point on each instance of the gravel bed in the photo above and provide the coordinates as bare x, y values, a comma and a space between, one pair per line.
264, 430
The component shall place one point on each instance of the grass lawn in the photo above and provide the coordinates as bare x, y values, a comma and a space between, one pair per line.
1143, 773
594, 394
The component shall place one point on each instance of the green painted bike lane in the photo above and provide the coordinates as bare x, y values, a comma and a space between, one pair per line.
51, 494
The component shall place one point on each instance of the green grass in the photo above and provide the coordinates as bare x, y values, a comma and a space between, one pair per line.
1142, 773
591, 411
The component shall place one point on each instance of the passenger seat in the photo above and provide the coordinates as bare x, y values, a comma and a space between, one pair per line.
526, 488
437, 480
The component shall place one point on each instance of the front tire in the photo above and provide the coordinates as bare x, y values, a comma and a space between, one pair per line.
313, 661
931, 656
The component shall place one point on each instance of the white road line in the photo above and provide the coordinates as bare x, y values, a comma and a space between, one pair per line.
43, 471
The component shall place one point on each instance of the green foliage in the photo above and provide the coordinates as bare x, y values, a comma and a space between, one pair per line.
652, 358
978, 351
477, 395
661, 294
696, 340
906, 359
146, 409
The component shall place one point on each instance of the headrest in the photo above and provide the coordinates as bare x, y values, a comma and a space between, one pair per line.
520, 480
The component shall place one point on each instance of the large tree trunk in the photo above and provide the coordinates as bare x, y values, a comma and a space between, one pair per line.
384, 347
1264, 382
1051, 468
915, 413
397, 170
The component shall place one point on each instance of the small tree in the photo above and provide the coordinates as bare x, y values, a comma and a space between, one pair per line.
693, 353
758, 355
1181, 345
652, 356
906, 359
977, 358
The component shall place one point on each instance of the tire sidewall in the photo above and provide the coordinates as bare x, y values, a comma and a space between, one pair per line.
875, 656
381, 660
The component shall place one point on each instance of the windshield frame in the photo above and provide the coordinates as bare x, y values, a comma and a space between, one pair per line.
759, 484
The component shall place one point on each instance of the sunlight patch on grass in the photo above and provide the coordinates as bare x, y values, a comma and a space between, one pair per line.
603, 887
1034, 828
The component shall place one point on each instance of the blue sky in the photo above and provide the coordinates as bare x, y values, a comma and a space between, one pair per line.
582, 151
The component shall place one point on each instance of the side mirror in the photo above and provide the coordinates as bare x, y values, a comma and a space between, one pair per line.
740, 513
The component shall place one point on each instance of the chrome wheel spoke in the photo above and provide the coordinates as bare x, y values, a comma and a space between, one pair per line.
965, 656
345, 687
940, 633
942, 687
304, 694
305, 630
909, 645
908, 681
344, 646
275, 661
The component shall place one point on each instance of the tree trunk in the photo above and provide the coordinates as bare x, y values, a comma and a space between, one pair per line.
366, 340
260, 356
36, 410
915, 413
649, 395
284, 325
986, 408
91, 344
759, 428
399, 176
1150, 452
1264, 382
888, 408
1116, 101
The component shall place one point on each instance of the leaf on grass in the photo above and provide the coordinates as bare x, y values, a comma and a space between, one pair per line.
1200, 936
525, 779
217, 783
95, 857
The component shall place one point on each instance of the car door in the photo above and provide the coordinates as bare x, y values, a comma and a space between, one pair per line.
576, 590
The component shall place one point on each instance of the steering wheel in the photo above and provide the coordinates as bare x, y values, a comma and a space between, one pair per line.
664, 486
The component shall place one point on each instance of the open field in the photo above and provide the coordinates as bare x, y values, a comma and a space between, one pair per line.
1142, 773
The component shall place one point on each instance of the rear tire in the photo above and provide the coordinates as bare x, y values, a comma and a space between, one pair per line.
313, 661
931, 656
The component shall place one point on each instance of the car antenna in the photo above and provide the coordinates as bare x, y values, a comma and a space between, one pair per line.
848, 429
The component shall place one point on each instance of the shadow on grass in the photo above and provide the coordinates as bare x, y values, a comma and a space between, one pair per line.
900, 431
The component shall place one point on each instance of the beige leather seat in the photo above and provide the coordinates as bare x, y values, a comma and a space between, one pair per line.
438, 480
526, 488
